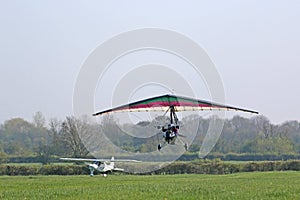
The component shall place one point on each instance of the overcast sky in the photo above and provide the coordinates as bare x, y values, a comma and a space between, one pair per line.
254, 45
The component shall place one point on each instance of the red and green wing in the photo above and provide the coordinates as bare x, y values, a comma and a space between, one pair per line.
162, 103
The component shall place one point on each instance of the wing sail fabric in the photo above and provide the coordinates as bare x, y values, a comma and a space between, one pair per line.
162, 103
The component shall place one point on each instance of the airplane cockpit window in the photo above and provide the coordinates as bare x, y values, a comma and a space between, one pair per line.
97, 163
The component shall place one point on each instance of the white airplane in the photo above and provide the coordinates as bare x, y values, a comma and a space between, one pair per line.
104, 166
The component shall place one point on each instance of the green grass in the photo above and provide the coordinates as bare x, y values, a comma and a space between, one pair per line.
256, 185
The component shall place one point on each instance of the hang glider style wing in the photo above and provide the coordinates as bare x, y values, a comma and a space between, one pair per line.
164, 102
95, 160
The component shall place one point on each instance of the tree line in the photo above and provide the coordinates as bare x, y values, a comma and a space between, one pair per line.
60, 138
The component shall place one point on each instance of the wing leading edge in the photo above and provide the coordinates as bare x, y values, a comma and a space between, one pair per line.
162, 103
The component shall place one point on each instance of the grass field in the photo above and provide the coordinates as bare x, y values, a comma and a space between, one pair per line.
255, 185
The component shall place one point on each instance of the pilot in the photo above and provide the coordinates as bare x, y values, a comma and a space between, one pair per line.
174, 130
167, 132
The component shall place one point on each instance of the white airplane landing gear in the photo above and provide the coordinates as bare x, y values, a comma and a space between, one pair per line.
91, 171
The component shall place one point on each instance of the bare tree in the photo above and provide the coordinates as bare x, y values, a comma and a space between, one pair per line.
57, 139
72, 129
39, 120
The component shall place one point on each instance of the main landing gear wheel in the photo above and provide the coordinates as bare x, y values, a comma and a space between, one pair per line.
159, 147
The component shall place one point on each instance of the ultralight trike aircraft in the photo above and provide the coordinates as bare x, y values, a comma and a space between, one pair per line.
172, 104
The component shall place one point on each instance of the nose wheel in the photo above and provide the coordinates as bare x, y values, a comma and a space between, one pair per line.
91, 171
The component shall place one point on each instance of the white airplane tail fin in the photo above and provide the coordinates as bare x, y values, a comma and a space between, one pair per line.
112, 163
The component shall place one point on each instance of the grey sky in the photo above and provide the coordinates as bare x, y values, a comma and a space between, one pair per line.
254, 45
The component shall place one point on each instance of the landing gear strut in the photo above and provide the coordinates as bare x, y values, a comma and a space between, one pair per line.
185, 146
91, 171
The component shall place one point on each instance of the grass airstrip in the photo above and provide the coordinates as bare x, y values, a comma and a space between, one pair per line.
251, 185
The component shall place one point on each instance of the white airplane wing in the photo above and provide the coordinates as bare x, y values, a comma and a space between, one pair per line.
100, 160
79, 159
